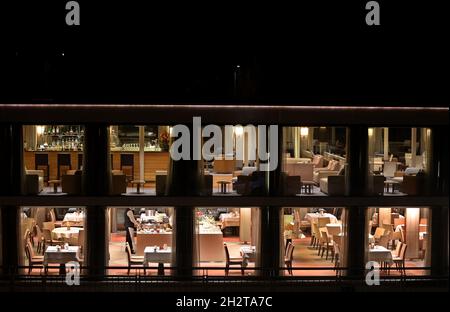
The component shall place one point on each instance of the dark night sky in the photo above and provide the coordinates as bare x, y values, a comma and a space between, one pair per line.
315, 53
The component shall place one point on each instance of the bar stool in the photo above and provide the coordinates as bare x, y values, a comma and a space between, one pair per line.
64, 164
127, 166
41, 163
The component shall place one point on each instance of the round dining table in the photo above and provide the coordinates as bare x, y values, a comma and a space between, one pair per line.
65, 233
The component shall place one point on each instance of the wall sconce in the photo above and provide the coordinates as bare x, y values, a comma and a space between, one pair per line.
39, 130
238, 130
304, 131
370, 131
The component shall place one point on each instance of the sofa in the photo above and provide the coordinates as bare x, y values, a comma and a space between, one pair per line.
34, 181
305, 171
332, 168
118, 182
71, 182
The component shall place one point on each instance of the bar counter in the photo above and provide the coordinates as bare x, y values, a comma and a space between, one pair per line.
152, 161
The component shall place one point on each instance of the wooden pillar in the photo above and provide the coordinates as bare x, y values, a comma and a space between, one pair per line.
412, 218
413, 146
386, 143
141, 152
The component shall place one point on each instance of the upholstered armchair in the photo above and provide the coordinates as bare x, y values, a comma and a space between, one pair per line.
34, 181
317, 161
71, 182
332, 169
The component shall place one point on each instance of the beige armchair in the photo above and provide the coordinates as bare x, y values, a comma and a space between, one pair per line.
34, 181
332, 169
333, 185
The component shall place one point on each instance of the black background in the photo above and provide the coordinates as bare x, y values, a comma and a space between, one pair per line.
297, 52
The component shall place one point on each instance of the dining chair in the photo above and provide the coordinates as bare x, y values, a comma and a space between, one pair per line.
396, 252
40, 238
384, 241
314, 235
323, 221
289, 256
133, 244
378, 233
327, 245
400, 260
32, 258
133, 260
232, 261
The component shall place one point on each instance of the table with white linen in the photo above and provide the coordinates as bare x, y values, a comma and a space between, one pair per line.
61, 256
229, 220
74, 217
380, 254
155, 254
313, 216
64, 233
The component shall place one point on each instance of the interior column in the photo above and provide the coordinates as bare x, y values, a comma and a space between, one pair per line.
185, 178
11, 184
356, 177
96, 182
386, 144
271, 238
413, 146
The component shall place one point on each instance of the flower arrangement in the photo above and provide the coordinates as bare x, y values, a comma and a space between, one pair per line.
164, 141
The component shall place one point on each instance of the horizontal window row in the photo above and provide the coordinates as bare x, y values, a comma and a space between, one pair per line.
314, 161
226, 240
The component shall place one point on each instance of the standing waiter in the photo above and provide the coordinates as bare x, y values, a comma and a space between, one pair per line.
130, 222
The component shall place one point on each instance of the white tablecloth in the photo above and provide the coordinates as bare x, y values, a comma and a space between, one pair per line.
160, 256
52, 255
380, 254
63, 232
313, 216
74, 217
